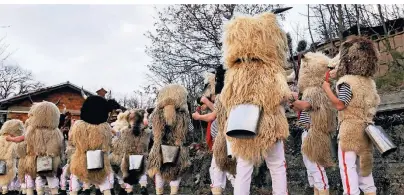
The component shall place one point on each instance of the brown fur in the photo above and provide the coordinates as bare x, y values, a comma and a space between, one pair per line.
42, 138
129, 144
316, 145
210, 80
353, 119
171, 110
13, 128
260, 82
219, 146
84, 137
358, 56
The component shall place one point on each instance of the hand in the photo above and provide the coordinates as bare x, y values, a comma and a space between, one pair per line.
9, 138
295, 95
204, 99
195, 116
145, 122
326, 85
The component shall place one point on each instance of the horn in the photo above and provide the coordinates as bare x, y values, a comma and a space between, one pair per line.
32, 102
280, 10
83, 94
57, 102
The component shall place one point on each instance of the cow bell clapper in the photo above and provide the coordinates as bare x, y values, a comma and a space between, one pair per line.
381, 140
228, 149
243, 121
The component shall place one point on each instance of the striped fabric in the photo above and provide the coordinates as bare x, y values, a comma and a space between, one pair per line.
213, 129
344, 93
304, 118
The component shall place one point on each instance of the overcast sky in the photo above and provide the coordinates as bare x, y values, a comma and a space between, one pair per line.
91, 45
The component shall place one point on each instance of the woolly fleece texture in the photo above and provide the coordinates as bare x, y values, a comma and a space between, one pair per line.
317, 144
219, 147
129, 144
170, 125
260, 82
358, 56
84, 137
14, 128
353, 120
42, 138
210, 80
121, 122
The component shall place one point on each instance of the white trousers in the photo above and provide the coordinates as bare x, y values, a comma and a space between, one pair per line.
107, 184
218, 177
142, 181
53, 182
63, 178
29, 183
275, 161
351, 179
14, 185
316, 174
160, 182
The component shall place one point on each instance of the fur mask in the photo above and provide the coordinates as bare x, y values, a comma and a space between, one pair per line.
172, 99
12, 127
44, 115
209, 82
258, 38
358, 56
136, 121
312, 70
333, 64
95, 110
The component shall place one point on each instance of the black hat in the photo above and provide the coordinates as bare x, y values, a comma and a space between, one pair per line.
95, 110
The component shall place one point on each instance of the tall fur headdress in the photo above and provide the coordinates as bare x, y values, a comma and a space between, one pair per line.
95, 110
358, 56
312, 70
44, 115
256, 38
12, 127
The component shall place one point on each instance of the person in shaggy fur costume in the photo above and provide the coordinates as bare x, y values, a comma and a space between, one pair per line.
8, 156
133, 140
171, 119
42, 139
122, 122
317, 118
255, 53
356, 101
92, 132
218, 177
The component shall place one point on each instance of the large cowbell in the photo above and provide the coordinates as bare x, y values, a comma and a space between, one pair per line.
95, 159
381, 140
170, 154
135, 162
243, 121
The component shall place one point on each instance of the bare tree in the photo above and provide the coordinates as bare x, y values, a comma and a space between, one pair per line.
187, 41
14, 81
309, 25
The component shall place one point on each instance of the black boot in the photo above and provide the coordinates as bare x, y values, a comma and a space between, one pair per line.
143, 191
98, 192
85, 192
62, 192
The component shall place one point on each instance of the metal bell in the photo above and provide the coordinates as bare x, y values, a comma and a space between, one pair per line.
44, 164
243, 121
135, 162
170, 154
381, 140
95, 159
228, 149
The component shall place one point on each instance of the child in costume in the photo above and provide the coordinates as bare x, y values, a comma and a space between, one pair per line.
255, 53
356, 101
171, 123
8, 157
42, 140
317, 118
91, 133
218, 177
133, 140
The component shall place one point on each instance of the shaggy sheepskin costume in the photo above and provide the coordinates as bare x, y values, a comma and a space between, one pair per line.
358, 64
122, 121
92, 132
134, 140
316, 145
171, 120
255, 53
42, 138
7, 154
